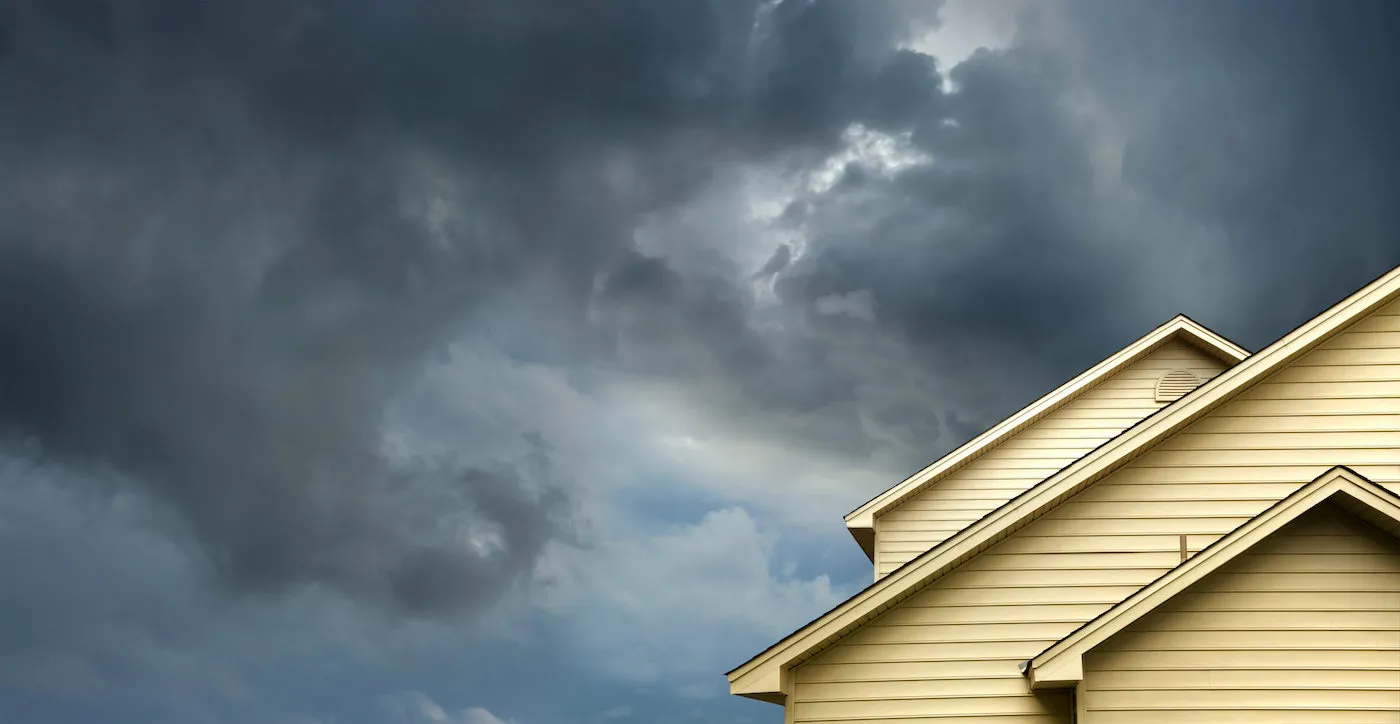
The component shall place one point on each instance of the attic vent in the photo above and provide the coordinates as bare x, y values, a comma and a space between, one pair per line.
1173, 385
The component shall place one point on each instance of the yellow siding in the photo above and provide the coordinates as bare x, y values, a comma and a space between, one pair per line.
1231, 648
1026, 592
1034, 454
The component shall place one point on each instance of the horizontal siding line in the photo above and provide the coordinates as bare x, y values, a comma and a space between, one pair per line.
1103, 567
1279, 429
1328, 396
925, 515
919, 697
1047, 717
1046, 640
1252, 629
905, 679
947, 493
1380, 554
1109, 425
1320, 440
1253, 709
981, 606
926, 659
1186, 447
1144, 411
1272, 687
1028, 622
1216, 666
1184, 516
1070, 432
1252, 610
1382, 348
1077, 602
1084, 535
1284, 590
1271, 652
991, 700
1348, 363
1101, 551
1051, 585
1225, 413
1282, 480
1002, 461
1232, 499
1283, 464
1147, 377
948, 504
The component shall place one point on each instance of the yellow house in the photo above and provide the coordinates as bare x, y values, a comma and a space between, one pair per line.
1184, 533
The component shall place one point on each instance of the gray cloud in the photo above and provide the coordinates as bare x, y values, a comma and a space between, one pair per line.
1277, 127
231, 233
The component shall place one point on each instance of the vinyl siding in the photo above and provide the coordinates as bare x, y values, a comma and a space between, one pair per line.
1035, 587
1054, 441
1303, 627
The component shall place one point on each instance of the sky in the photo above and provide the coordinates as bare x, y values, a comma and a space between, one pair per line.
473, 362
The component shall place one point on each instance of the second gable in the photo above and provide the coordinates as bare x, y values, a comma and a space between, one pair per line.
1037, 452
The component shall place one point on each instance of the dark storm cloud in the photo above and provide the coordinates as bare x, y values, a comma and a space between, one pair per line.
1274, 132
1277, 124
222, 254
982, 251
219, 256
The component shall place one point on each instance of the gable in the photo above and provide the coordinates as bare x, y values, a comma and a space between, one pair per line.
861, 521
1061, 664
1133, 550
1304, 626
1044, 447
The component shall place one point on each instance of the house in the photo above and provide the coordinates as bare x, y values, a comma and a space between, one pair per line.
1186, 532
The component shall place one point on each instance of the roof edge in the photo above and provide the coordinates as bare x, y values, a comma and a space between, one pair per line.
1180, 326
1061, 665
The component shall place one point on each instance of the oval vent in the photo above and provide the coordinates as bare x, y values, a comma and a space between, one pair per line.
1173, 385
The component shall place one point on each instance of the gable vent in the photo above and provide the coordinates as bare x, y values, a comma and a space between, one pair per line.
1173, 385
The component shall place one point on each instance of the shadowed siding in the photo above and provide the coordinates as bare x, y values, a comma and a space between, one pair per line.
1032, 455
1338, 405
1305, 627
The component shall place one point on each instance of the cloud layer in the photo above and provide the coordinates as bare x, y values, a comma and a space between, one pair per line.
478, 340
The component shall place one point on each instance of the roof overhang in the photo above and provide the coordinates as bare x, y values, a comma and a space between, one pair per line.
763, 675
861, 521
1062, 665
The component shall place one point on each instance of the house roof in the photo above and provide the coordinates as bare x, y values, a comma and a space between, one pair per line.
861, 521
763, 676
1063, 663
